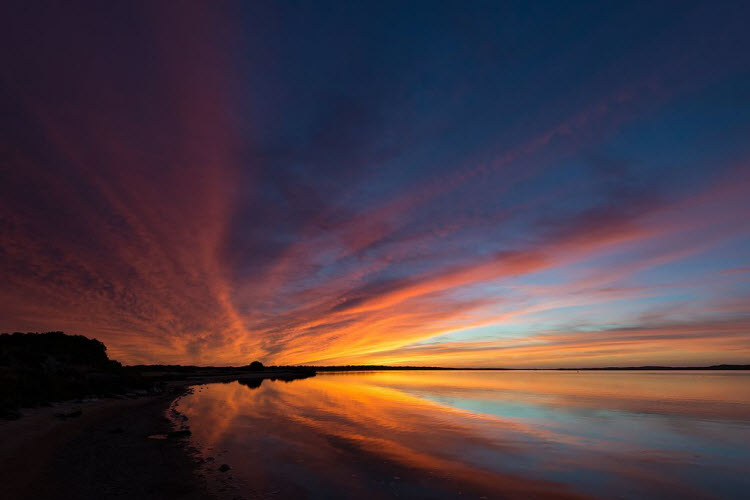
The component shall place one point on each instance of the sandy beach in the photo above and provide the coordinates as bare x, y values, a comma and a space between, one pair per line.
103, 453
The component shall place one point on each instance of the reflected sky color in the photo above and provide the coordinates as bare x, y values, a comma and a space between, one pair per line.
520, 184
494, 434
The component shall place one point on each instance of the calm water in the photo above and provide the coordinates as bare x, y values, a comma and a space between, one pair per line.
481, 434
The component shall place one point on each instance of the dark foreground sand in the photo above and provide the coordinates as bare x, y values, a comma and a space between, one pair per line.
103, 453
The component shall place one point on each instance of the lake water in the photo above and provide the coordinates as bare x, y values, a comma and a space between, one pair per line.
480, 434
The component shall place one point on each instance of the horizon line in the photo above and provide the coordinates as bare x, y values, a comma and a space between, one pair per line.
735, 366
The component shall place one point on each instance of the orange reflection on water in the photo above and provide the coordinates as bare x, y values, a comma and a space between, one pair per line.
497, 434
715, 394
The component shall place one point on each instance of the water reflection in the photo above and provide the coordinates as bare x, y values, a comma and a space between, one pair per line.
482, 434
254, 383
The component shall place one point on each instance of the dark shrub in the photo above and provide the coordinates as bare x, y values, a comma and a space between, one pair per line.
41, 367
255, 366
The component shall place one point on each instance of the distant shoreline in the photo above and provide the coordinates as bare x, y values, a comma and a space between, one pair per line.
229, 370
666, 368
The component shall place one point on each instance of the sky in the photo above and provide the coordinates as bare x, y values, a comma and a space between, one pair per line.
470, 184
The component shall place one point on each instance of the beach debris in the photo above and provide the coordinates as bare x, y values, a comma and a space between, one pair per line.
224, 467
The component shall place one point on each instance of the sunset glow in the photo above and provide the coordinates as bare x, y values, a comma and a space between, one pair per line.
405, 185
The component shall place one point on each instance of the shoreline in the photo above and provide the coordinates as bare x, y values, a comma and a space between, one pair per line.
105, 451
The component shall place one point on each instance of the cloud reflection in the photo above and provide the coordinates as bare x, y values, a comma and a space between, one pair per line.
498, 434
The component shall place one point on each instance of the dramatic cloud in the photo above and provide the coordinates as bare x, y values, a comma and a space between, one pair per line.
214, 185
